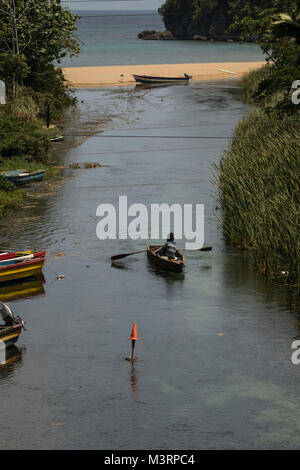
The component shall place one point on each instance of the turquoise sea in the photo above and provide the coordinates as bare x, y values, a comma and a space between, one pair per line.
110, 38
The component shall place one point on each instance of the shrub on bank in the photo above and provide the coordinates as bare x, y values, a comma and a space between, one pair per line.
9, 196
21, 139
270, 86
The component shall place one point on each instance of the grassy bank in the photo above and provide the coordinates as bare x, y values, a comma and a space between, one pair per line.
259, 189
12, 197
25, 144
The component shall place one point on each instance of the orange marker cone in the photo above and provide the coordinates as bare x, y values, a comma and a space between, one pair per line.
134, 338
134, 335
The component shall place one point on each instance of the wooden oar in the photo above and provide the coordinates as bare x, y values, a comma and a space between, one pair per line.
113, 258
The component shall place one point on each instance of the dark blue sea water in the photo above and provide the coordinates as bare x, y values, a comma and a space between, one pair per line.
110, 38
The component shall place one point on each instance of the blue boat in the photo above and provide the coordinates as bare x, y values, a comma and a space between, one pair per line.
22, 177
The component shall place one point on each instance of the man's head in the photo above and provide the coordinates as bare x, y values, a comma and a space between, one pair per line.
171, 236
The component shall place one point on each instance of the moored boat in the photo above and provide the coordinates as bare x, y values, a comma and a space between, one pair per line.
10, 326
156, 79
21, 270
18, 257
155, 255
22, 177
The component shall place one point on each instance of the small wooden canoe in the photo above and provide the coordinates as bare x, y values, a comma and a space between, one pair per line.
151, 79
155, 255
21, 270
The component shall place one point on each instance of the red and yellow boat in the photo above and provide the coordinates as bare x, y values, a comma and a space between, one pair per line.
19, 265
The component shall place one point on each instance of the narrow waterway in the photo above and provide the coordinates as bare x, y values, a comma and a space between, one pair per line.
213, 366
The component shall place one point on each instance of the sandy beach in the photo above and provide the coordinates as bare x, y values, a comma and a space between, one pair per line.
83, 77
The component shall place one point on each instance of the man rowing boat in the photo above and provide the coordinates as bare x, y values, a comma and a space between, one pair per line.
170, 247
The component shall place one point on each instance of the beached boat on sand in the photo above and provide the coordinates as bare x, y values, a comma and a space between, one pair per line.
10, 326
152, 79
155, 255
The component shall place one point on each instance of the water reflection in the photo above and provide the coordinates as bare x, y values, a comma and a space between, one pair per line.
134, 382
9, 359
168, 276
24, 289
148, 86
244, 277
118, 265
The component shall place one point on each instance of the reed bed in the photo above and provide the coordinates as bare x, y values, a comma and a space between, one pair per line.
259, 193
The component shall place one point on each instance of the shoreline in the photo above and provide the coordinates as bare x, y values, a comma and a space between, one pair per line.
121, 75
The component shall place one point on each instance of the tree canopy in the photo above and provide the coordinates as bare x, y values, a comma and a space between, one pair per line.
249, 20
34, 34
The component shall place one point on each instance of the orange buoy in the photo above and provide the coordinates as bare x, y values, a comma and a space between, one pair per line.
134, 338
134, 335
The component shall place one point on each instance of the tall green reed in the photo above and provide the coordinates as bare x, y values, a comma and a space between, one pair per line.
259, 193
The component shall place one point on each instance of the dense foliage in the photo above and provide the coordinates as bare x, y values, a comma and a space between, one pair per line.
258, 177
184, 18
19, 138
218, 19
259, 192
34, 37
5, 185
34, 34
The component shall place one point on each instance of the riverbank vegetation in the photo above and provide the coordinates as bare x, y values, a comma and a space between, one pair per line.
258, 176
34, 37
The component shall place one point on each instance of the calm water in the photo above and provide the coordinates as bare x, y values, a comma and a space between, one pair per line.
110, 38
213, 365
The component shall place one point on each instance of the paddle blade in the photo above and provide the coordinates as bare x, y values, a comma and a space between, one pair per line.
113, 258
205, 248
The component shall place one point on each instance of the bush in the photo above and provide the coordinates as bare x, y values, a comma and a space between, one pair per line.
21, 139
5, 185
261, 86
11, 199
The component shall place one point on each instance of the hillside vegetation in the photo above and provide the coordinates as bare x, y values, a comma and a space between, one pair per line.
216, 19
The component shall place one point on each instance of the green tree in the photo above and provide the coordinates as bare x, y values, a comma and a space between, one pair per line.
287, 26
253, 19
41, 31
13, 70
